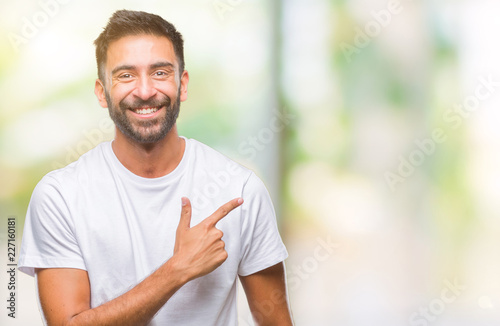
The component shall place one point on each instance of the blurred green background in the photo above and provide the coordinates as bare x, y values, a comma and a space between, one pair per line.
374, 125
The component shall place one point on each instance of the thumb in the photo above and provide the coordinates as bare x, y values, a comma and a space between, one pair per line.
185, 221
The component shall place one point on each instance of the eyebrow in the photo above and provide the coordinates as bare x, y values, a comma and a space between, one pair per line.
161, 64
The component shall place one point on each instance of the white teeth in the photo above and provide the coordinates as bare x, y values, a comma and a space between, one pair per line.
146, 110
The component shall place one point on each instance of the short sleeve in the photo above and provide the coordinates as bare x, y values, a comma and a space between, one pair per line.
262, 246
48, 238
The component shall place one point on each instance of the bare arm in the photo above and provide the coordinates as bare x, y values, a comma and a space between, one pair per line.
65, 298
267, 296
65, 293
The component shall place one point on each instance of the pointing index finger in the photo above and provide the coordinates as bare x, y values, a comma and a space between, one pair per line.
185, 220
225, 209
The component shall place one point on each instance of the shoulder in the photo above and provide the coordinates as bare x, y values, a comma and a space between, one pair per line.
221, 168
74, 174
211, 161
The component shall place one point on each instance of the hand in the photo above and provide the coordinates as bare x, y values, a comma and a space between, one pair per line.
199, 250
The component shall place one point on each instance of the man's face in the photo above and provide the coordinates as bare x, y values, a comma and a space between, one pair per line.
143, 89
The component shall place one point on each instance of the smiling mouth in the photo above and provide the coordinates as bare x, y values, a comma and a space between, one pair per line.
147, 110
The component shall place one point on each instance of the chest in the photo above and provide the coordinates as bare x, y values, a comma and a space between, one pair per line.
123, 228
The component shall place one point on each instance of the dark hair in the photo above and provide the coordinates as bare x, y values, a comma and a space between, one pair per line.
127, 22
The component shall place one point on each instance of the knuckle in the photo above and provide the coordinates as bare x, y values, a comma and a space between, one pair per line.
224, 211
206, 226
212, 234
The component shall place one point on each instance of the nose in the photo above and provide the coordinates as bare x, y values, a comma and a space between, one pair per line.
145, 88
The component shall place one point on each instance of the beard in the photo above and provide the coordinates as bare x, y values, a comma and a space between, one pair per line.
147, 131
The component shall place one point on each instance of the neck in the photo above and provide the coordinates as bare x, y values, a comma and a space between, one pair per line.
151, 160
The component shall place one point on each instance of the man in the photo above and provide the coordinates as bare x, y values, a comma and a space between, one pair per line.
112, 238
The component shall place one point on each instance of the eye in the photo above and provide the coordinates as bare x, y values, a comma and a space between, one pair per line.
125, 76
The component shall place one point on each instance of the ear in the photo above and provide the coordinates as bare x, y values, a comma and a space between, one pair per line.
99, 92
184, 85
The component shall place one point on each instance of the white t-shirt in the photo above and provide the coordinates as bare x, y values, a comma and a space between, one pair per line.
98, 216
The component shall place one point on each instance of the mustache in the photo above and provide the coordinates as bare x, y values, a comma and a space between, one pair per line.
140, 103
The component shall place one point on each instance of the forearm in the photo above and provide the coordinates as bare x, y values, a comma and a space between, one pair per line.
137, 306
272, 312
